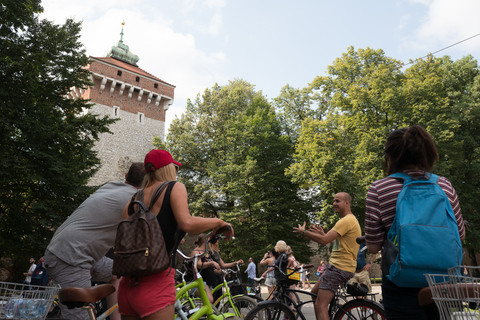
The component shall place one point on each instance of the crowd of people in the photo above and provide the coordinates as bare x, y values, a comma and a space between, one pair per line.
79, 250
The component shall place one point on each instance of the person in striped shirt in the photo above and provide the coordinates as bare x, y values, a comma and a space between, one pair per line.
412, 151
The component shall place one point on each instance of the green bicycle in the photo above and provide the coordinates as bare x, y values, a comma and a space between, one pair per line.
240, 304
193, 310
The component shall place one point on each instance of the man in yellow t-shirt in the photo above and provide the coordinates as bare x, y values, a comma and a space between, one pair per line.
343, 259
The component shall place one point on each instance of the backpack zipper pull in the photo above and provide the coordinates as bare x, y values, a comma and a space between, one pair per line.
146, 252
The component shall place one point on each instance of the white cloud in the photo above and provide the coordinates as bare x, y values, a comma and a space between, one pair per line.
448, 22
164, 52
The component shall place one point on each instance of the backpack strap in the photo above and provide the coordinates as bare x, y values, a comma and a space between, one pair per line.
406, 178
139, 196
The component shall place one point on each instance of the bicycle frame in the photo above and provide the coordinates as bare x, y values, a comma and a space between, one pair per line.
206, 309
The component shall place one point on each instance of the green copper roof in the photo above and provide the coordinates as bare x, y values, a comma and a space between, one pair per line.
121, 52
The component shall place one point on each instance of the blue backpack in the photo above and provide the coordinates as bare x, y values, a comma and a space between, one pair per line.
424, 235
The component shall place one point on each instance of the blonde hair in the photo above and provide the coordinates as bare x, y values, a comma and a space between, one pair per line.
281, 246
201, 238
165, 173
214, 246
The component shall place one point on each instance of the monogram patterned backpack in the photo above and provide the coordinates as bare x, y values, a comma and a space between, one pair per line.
139, 244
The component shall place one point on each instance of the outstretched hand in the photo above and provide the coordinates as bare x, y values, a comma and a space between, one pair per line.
317, 229
300, 228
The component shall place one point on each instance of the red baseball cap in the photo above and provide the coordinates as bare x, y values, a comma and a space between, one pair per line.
159, 158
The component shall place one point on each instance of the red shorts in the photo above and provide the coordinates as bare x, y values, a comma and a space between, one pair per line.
152, 294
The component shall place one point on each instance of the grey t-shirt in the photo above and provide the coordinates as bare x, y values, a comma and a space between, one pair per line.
87, 235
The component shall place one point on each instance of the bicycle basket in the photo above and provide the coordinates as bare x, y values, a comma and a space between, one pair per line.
22, 301
457, 294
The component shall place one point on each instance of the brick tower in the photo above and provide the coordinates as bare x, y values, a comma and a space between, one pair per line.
136, 98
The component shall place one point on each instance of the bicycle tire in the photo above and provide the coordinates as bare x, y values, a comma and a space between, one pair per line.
288, 301
270, 310
192, 303
244, 304
360, 309
336, 301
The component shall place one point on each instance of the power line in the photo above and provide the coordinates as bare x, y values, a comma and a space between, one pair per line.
478, 34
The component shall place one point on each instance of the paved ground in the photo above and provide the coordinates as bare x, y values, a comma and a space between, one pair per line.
308, 308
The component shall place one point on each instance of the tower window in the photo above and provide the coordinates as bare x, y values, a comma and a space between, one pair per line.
116, 112
155, 85
119, 73
137, 79
141, 118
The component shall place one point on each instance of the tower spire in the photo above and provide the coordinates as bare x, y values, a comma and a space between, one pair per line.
122, 52
121, 33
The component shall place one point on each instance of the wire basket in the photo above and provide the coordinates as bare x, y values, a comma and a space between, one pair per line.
457, 294
23, 301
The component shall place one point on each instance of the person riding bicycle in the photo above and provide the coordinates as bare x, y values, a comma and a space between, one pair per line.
214, 253
343, 259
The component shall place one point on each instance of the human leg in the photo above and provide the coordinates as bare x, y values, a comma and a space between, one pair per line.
321, 304
331, 278
315, 287
152, 295
364, 277
102, 271
401, 303
166, 313
68, 276
270, 283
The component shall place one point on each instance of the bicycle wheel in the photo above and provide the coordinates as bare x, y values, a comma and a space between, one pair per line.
289, 301
360, 309
336, 302
243, 304
270, 310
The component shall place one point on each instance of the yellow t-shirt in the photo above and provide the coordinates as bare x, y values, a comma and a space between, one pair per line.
345, 247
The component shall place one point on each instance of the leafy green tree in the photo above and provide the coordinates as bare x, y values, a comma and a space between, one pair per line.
234, 156
368, 96
45, 137
340, 149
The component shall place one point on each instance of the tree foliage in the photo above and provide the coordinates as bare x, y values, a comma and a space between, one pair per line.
234, 156
46, 138
369, 95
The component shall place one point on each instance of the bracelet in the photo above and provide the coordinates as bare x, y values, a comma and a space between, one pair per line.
303, 233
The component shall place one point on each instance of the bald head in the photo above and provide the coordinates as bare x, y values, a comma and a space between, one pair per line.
341, 203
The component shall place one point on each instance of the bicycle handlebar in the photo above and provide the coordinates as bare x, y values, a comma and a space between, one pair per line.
219, 234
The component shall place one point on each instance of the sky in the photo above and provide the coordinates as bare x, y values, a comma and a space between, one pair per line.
195, 44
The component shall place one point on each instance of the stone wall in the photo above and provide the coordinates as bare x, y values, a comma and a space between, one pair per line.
131, 140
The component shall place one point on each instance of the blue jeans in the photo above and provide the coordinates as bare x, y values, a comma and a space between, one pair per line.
250, 282
401, 303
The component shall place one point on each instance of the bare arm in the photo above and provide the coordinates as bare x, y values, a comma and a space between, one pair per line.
229, 264
187, 222
374, 247
316, 234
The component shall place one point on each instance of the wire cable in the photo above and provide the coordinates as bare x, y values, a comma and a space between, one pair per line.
478, 34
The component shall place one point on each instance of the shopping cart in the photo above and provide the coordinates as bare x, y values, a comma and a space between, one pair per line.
457, 294
23, 301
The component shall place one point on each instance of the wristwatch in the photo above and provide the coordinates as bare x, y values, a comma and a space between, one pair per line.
303, 232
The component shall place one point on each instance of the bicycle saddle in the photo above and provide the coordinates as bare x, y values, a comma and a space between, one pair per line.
78, 297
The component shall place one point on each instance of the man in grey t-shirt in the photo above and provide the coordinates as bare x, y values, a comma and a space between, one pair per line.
76, 253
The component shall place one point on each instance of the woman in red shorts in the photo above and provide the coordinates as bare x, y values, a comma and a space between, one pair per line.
154, 296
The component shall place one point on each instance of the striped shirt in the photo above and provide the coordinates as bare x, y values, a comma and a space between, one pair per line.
382, 200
